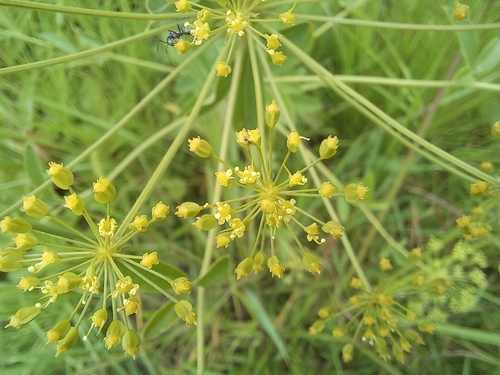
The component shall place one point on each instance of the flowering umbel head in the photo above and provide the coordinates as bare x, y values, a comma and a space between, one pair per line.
387, 317
96, 266
271, 201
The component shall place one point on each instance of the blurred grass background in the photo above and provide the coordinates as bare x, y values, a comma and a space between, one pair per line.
257, 325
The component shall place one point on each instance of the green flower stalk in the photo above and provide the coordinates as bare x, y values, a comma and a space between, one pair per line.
96, 267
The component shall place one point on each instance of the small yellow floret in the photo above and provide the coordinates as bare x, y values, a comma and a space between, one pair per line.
182, 6
288, 18
223, 69
149, 259
278, 58
385, 264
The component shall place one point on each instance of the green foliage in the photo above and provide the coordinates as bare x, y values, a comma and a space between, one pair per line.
85, 86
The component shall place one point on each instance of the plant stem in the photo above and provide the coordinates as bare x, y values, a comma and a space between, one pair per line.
209, 245
87, 12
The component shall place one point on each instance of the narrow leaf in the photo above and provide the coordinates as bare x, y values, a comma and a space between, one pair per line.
215, 274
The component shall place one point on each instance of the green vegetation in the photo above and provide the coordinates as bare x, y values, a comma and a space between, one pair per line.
406, 278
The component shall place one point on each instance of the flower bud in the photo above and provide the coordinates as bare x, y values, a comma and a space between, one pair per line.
479, 188
356, 283
59, 331
288, 18
68, 281
188, 209
293, 141
28, 283
338, 332
104, 191
115, 331
258, 262
34, 206
427, 327
347, 352
11, 260
328, 147
25, 241
130, 343
317, 327
160, 211
61, 177
223, 240
495, 130
150, 259
272, 114
14, 225
75, 203
311, 263
182, 46
222, 69
182, 6
385, 264
99, 318
140, 223
69, 341
200, 147
461, 12
278, 58
243, 268
326, 190
205, 222
185, 311
23, 316
130, 305
334, 228
415, 255
182, 285
487, 167
413, 336
355, 192
275, 267
272, 42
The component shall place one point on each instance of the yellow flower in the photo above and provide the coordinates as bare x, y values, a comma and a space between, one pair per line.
224, 178
460, 12
182, 6
385, 264
272, 42
182, 46
235, 23
278, 58
149, 259
288, 18
222, 69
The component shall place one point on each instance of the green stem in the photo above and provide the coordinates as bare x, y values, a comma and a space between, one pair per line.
176, 144
209, 246
391, 81
87, 12
83, 54
395, 25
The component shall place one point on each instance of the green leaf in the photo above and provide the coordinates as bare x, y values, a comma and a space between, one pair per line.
34, 167
484, 337
215, 274
160, 321
254, 305
140, 275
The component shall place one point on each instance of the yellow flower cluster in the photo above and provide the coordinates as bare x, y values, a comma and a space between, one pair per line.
408, 301
96, 266
271, 201
234, 18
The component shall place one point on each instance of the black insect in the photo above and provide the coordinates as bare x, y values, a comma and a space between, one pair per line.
174, 36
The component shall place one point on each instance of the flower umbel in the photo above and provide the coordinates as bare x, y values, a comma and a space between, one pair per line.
271, 201
411, 300
96, 266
